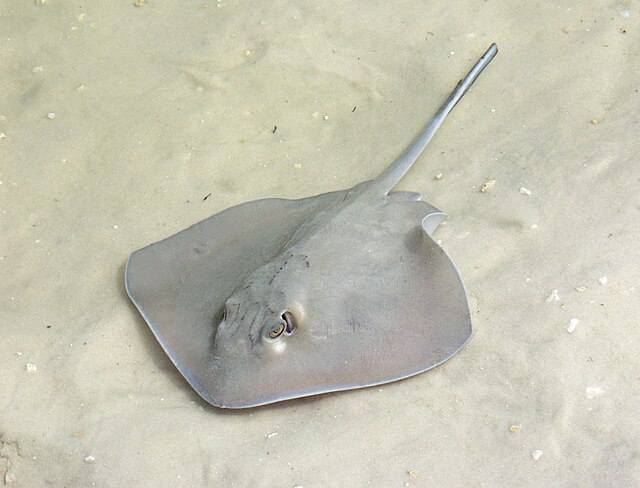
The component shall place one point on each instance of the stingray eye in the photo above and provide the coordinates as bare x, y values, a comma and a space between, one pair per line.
285, 326
277, 331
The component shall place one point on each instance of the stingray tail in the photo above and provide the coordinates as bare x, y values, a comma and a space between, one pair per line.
396, 170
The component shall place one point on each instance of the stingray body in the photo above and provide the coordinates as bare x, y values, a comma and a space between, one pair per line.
277, 299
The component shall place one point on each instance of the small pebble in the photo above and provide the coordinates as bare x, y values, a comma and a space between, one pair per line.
524, 191
603, 281
273, 434
593, 391
438, 176
3, 135
31, 368
297, 166
572, 325
37, 69
537, 454
595, 121
581, 288
554, 297
139, 3
90, 459
515, 428
487, 186
51, 115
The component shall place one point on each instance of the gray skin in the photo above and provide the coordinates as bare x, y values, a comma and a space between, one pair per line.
277, 299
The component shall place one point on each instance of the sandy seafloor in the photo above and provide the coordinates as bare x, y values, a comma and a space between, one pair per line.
155, 107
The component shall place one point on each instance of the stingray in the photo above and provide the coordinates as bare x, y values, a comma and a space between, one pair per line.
276, 299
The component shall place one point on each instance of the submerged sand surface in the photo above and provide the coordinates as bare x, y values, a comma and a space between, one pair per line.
118, 120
